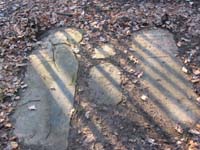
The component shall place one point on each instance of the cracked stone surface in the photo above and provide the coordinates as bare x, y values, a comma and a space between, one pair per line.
51, 78
169, 91
103, 51
104, 84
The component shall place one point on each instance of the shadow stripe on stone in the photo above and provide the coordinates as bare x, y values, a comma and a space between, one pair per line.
163, 76
48, 125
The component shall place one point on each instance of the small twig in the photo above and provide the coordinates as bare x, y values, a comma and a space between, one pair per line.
64, 14
156, 56
33, 100
49, 132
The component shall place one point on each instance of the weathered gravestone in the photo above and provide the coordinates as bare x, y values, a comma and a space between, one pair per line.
104, 84
103, 51
170, 94
42, 116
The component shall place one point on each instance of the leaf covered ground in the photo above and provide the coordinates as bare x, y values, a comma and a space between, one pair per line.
22, 22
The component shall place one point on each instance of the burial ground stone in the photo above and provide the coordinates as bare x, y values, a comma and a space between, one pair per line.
104, 84
51, 78
169, 90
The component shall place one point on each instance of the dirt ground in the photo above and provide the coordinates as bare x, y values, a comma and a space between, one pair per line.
125, 126
22, 23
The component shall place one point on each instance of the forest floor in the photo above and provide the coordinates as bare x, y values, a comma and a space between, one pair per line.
23, 23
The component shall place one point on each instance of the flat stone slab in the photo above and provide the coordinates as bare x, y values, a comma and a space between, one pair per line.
103, 51
169, 90
104, 84
43, 115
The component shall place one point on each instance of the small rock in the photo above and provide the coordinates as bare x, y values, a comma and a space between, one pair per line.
198, 99
179, 129
131, 140
178, 142
131, 49
24, 86
102, 39
32, 107
76, 50
144, 97
78, 55
151, 141
52, 88
179, 44
17, 97
191, 3
184, 69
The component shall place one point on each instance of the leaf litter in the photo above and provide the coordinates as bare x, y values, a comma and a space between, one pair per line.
22, 22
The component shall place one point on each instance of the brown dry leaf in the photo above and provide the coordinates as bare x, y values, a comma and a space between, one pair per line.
196, 72
178, 128
195, 80
8, 125
193, 145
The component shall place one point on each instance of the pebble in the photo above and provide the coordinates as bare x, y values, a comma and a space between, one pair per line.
32, 107
144, 97
184, 69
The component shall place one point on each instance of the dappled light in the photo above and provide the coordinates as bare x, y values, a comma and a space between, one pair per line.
164, 79
99, 75
170, 100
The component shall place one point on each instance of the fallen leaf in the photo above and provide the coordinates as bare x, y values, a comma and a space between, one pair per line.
196, 72
193, 131
178, 128
8, 125
193, 145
